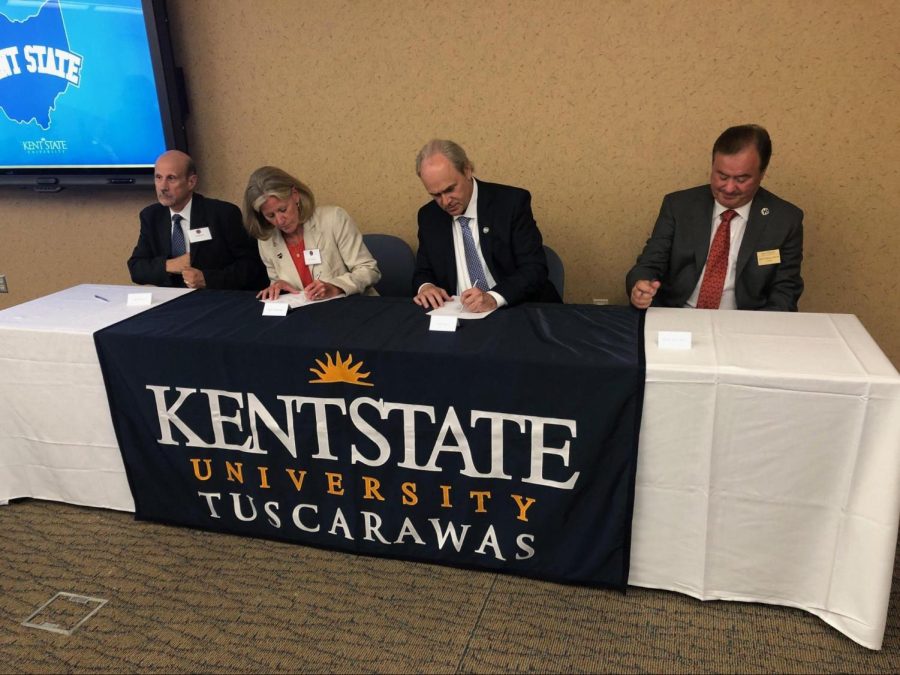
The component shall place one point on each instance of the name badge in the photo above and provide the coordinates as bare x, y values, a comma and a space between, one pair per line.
311, 256
199, 234
772, 257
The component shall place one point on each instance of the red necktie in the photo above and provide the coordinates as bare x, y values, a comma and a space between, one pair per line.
716, 265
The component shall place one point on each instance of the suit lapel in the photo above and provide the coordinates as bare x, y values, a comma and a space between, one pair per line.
313, 238
756, 225
198, 219
445, 232
311, 233
703, 230
164, 231
485, 197
284, 263
279, 246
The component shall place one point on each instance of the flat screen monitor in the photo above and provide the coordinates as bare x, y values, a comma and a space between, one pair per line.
89, 94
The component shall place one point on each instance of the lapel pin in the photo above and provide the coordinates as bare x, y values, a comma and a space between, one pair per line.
485, 229
279, 256
765, 211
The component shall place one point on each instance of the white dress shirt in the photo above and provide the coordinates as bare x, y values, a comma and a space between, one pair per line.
738, 226
463, 281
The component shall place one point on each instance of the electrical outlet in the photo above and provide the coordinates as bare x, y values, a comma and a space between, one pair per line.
601, 301
3, 287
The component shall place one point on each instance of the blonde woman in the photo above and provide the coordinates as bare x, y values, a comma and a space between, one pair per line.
316, 250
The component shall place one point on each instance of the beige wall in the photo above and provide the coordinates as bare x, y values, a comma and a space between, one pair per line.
598, 107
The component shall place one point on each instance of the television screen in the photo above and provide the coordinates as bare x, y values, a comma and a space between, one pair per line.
87, 92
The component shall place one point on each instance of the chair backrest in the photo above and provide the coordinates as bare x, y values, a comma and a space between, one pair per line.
555, 270
396, 262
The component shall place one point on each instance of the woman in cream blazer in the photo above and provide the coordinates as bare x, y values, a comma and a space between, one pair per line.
317, 250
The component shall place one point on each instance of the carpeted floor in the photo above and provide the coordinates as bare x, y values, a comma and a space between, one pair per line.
183, 600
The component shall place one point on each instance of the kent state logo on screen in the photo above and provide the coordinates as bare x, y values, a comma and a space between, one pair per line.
37, 65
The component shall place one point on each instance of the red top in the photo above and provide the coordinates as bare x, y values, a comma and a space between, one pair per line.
296, 251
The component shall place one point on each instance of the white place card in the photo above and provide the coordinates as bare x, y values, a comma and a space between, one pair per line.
275, 308
443, 322
139, 299
674, 339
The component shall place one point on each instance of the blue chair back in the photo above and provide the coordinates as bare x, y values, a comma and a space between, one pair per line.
396, 262
555, 270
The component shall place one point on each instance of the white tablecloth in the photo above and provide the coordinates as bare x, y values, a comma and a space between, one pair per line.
56, 436
768, 465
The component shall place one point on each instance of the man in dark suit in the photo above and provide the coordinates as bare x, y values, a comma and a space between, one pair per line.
477, 240
727, 245
190, 240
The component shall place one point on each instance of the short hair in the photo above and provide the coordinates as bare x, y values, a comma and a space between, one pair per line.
270, 181
191, 169
449, 149
735, 139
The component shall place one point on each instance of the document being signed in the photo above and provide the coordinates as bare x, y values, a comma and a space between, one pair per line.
294, 300
454, 307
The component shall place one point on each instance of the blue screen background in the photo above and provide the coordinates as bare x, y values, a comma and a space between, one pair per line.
112, 118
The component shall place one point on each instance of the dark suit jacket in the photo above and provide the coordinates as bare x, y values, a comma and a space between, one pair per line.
229, 260
676, 251
512, 246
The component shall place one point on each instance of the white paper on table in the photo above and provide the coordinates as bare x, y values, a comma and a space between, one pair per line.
139, 299
674, 339
294, 300
454, 307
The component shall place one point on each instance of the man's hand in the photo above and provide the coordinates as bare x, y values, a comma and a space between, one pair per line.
477, 300
431, 297
273, 291
642, 293
179, 264
321, 290
193, 278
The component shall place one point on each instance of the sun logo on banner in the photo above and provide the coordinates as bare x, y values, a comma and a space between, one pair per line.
337, 370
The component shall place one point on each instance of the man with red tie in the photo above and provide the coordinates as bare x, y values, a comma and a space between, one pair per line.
728, 245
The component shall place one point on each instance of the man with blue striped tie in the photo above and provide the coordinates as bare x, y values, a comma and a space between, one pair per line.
188, 240
477, 240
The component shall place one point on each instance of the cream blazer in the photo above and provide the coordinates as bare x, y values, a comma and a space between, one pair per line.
346, 262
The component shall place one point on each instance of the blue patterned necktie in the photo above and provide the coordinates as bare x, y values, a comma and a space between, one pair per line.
473, 264
178, 247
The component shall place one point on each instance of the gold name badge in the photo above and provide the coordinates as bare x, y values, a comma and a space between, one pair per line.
772, 257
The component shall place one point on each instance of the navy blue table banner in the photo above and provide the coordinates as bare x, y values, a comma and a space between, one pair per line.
509, 445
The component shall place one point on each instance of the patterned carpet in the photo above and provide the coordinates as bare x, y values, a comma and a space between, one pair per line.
182, 600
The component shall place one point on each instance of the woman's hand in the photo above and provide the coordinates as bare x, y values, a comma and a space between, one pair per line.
321, 290
273, 291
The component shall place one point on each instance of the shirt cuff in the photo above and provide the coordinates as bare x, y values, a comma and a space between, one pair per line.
501, 301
